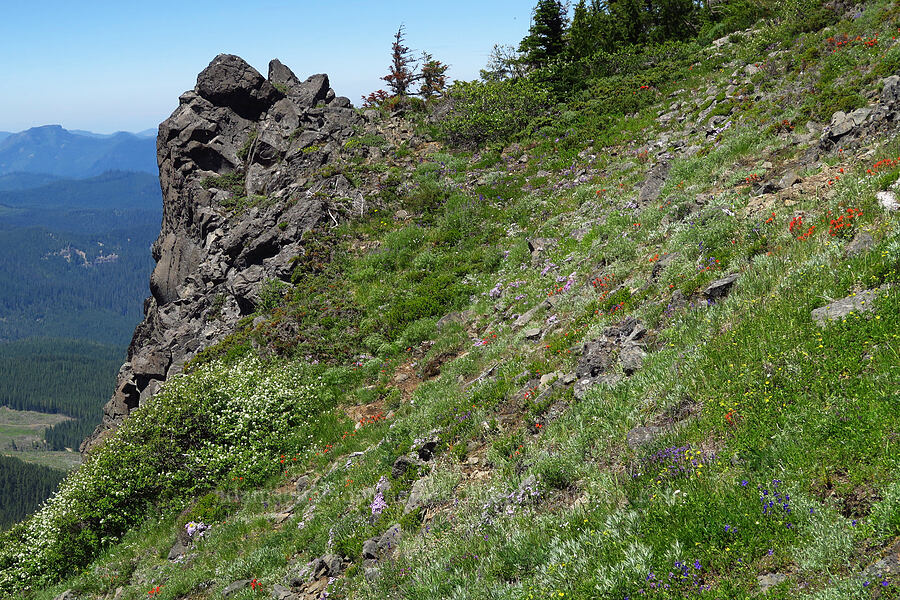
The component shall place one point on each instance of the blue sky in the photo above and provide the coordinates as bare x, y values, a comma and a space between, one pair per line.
108, 66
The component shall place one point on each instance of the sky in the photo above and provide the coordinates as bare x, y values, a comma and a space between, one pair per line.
120, 66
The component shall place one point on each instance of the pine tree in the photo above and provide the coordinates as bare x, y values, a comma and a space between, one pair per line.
433, 76
546, 37
402, 71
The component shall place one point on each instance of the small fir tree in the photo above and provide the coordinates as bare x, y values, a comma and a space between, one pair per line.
433, 77
402, 72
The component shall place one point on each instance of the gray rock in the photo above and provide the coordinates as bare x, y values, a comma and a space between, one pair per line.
632, 358
416, 499
769, 580
789, 179
861, 242
860, 115
596, 358
538, 246
890, 91
858, 303
532, 334
841, 125
279, 592
229, 81
678, 300
401, 466
455, 317
370, 549
340, 102
306, 94
67, 595
237, 124
641, 436
235, 587
329, 565
178, 550
653, 184
390, 539
371, 573
179, 257
382, 545
302, 484
720, 287
530, 314
887, 566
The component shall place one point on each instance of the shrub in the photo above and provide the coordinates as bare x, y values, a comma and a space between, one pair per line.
217, 426
492, 111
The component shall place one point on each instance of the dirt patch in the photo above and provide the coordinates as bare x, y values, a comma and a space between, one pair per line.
853, 501
363, 413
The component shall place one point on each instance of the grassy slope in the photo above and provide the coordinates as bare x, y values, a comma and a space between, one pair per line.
787, 410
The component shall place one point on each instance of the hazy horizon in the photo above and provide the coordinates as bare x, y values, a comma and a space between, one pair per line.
121, 68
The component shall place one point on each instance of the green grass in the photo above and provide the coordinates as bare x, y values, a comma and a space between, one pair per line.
782, 409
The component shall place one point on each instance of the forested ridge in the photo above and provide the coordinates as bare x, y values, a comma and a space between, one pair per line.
23, 486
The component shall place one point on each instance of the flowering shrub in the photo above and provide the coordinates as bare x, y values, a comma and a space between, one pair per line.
199, 431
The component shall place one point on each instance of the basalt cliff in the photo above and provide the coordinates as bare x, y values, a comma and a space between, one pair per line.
244, 169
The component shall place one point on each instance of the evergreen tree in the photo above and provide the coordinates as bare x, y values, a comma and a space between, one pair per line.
433, 76
402, 71
546, 38
589, 30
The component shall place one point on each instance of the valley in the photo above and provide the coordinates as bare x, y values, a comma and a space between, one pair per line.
74, 265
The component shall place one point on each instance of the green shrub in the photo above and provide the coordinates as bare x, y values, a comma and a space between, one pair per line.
230, 182
209, 508
492, 112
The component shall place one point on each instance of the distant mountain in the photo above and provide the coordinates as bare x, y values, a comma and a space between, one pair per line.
152, 132
4, 135
52, 150
24, 181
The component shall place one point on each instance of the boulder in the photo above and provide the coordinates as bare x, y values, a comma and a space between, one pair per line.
890, 90
229, 81
235, 587
653, 184
857, 303
788, 179
632, 358
841, 125
401, 466
532, 334
596, 358
306, 94
861, 242
416, 498
279, 592
720, 288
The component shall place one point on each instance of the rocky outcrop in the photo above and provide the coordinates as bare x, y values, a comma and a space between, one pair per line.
849, 130
238, 139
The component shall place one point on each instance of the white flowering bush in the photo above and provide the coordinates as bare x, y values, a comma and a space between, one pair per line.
217, 424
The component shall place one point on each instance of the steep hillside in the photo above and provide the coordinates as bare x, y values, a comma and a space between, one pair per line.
637, 339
